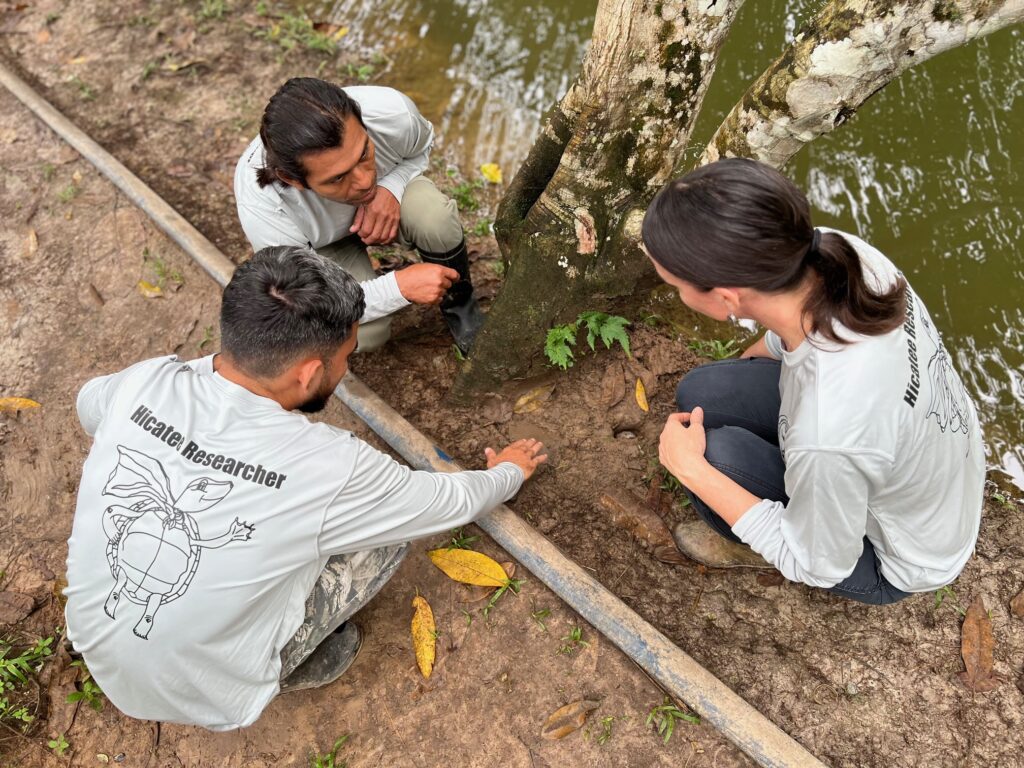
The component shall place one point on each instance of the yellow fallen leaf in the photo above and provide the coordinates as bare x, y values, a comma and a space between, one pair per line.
15, 404
33, 242
491, 172
469, 567
149, 290
641, 396
342, 31
76, 177
424, 635
78, 60
533, 399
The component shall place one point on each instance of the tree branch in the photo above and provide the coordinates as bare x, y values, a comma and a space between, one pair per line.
846, 54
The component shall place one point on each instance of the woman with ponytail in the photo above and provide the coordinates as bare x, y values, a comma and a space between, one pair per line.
842, 446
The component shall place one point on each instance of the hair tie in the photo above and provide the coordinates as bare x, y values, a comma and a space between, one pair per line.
812, 252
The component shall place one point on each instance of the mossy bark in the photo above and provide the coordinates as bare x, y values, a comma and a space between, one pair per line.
848, 52
568, 223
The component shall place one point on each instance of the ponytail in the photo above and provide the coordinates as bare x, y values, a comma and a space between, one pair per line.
740, 223
842, 296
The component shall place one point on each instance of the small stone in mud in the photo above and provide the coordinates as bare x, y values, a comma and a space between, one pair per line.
547, 525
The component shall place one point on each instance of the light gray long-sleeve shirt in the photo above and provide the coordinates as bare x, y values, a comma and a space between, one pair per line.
279, 214
880, 439
225, 507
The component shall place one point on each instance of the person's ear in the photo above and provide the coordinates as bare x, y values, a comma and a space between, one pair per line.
729, 298
309, 373
285, 179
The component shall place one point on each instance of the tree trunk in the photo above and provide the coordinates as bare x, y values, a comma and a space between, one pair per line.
568, 224
845, 55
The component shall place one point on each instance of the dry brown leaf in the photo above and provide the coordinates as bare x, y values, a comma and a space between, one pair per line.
613, 386
149, 290
976, 648
15, 404
469, 567
43, 36
643, 523
1017, 605
14, 606
533, 399
424, 635
641, 396
33, 242
770, 579
567, 719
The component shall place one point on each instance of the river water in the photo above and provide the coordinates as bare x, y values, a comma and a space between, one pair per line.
930, 171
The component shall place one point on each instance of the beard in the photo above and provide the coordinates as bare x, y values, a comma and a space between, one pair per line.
317, 402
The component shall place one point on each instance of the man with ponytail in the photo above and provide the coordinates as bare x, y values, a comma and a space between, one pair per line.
338, 169
843, 447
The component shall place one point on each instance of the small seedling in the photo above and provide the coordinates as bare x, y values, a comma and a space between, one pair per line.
458, 353
664, 716
330, 760
69, 193
606, 731
573, 641
58, 745
539, 616
212, 9
600, 325
162, 270
469, 617
90, 693
207, 337
482, 228
947, 593
465, 194
511, 584
85, 91
715, 349
49, 171
298, 31
361, 72
459, 540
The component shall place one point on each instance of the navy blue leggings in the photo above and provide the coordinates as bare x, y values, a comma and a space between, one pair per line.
741, 404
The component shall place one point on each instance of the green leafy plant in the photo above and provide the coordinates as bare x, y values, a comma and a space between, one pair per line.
573, 641
296, 30
715, 349
464, 194
947, 593
59, 745
599, 325
85, 91
212, 9
89, 692
361, 72
510, 584
49, 171
482, 227
69, 193
163, 271
207, 337
459, 540
539, 616
330, 760
605, 735
664, 717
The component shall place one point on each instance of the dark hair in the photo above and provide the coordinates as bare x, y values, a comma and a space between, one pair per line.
305, 115
741, 223
286, 302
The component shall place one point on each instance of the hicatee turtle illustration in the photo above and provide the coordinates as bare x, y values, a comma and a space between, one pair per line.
154, 545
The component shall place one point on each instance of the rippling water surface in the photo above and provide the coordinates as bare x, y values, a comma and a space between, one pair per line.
929, 171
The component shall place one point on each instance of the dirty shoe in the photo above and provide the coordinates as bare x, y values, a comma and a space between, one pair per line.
699, 542
328, 662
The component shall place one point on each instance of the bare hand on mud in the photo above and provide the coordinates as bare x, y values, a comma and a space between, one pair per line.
425, 283
527, 454
376, 222
682, 445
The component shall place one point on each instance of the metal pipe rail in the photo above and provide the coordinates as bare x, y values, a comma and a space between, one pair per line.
675, 670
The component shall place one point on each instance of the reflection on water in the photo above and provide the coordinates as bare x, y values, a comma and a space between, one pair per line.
925, 171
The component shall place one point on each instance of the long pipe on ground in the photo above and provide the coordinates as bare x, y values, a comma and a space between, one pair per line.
675, 670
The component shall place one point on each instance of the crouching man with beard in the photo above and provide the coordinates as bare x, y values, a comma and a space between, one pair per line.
222, 540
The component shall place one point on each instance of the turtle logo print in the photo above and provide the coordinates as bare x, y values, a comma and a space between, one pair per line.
154, 545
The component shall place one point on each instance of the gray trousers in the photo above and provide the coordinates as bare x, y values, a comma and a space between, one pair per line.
741, 403
346, 584
429, 222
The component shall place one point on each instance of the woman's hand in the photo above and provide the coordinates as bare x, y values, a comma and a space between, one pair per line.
682, 445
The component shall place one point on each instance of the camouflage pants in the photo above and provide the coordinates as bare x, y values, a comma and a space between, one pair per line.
346, 584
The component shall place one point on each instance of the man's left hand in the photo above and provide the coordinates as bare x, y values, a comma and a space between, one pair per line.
376, 222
